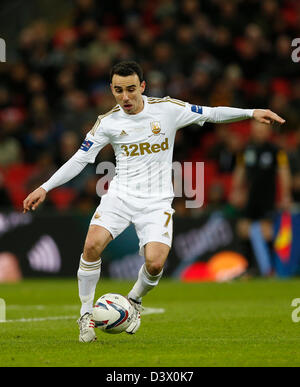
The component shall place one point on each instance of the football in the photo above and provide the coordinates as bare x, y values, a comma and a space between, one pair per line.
112, 313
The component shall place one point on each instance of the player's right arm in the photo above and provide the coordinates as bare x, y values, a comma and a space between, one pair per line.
87, 153
65, 173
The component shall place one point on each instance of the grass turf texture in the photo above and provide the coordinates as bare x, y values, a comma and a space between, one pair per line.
243, 323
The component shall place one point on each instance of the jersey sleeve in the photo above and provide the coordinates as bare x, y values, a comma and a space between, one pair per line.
94, 141
64, 174
186, 114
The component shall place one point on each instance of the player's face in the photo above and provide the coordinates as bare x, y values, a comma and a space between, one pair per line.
128, 92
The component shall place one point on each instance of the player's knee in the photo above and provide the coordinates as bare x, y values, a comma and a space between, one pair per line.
92, 250
154, 267
96, 241
155, 257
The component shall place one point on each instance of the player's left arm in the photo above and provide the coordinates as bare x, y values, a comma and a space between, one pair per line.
188, 114
224, 114
184, 114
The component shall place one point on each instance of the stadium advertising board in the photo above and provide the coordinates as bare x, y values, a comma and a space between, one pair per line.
204, 248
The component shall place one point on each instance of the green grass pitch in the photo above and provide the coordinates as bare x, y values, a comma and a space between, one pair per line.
242, 323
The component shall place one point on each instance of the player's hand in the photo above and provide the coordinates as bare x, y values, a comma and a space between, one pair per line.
34, 199
267, 117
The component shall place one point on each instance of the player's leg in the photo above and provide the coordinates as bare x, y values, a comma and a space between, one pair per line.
88, 276
154, 229
109, 220
90, 265
150, 273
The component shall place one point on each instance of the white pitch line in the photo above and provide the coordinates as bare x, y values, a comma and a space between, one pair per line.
145, 312
40, 319
41, 307
152, 311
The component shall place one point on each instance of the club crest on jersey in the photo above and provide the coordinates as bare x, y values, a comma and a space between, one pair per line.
197, 109
155, 127
86, 145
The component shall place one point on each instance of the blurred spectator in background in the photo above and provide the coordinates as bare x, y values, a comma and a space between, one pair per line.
69, 143
45, 167
294, 160
257, 170
215, 198
225, 150
256, 174
102, 46
10, 150
87, 198
75, 111
40, 138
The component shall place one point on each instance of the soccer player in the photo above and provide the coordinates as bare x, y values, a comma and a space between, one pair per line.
142, 131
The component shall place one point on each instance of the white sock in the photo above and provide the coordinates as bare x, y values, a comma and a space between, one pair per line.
144, 284
88, 276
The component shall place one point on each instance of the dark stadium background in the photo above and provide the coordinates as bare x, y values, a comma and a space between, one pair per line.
55, 83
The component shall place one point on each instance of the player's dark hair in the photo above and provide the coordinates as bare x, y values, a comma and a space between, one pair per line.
126, 68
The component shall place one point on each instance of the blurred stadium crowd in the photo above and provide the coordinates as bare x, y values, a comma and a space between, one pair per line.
209, 52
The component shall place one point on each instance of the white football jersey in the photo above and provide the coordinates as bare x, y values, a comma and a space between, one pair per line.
143, 144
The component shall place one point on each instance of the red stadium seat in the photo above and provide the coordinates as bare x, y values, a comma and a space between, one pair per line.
15, 178
62, 197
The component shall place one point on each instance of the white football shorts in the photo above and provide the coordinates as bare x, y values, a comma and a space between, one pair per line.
152, 218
